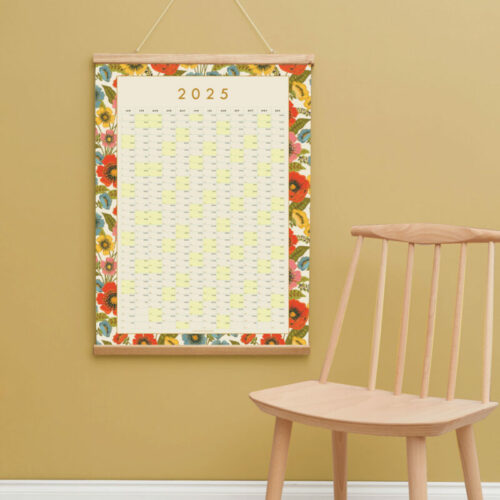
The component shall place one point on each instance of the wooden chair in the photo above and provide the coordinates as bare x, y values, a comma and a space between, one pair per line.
345, 408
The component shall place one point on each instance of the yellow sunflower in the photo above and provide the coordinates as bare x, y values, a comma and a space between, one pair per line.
298, 341
188, 66
171, 341
261, 69
301, 92
301, 220
133, 69
105, 244
104, 116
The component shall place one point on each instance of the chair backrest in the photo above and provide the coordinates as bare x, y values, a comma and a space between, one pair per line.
420, 234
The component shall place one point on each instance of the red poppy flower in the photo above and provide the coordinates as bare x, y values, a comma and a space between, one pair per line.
166, 69
272, 339
115, 83
107, 171
297, 187
292, 241
294, 69
115, 210
298, 314
146, 339
107, 299
247, 338
292, 113
118, 338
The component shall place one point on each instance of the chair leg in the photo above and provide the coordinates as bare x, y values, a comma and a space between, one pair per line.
279, 454
417, 467
339, 445
470, 464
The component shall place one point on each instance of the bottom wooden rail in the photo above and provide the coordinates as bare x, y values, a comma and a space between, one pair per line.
200, 350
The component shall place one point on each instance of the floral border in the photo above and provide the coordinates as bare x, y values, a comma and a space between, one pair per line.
106, 201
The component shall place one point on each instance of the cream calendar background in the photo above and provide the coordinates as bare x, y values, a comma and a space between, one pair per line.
203, 205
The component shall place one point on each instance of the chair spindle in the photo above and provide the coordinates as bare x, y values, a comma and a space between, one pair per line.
457, 324
377, 322
339, 317
488, 325
431, 323
403, 335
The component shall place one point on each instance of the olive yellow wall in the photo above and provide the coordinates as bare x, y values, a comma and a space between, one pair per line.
406, 122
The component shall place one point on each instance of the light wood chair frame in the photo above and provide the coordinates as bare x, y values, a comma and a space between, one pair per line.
272, 400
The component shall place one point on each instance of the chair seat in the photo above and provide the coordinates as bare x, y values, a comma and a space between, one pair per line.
355, 409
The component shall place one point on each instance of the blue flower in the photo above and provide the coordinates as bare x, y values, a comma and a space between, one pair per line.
218, 340
233, 70
105, 328
98, 287
99, 224
99, 96
98, 157
304, 263
105, 72
213, 73
193, 338
304, 135
105, 200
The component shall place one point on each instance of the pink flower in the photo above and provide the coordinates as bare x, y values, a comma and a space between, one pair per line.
108, 266
294, 147
108, 139
294, 274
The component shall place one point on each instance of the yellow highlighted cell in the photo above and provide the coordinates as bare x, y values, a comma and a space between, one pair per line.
169, 148
263, 218
263, 314
182, 183
250, 190
236, 301
209, 294
236, 155
182, 232
168, 294
148, 218
209, 197
182, 280
148, 169
223, 273
127, 238
154, 315
223, 176
148, 266
168, 245
263, 266
223, 225
250, 287
223, 128
236, 204
196, 259
264, 121
196, 162
222, 321
263, 169
168, 197
209, 148
209, 245
182, 134
128, 287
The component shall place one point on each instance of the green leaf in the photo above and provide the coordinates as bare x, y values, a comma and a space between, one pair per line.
300, 206
300, 333
106, 342
113, 194
179, 72
110, 93
295, 294
234, 342
116, 67
101, 316
101, 189
110, 221
299, 124
300, 78
298, 252
244, 67
161, 339
296, 167
113, 321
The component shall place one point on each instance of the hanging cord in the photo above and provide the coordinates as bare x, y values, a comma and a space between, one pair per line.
148, 34
237, 2
250, 20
